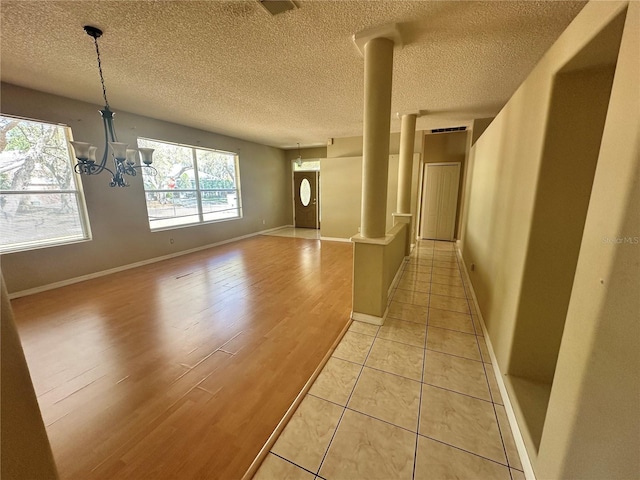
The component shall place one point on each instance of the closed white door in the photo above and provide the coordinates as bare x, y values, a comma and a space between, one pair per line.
439, 201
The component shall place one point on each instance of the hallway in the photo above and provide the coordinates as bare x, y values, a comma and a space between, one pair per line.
414, 399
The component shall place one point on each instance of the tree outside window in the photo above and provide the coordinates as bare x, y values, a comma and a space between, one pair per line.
41, 203
193, 185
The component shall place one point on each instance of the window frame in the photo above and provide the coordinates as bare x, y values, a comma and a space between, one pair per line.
78, 192
201, 214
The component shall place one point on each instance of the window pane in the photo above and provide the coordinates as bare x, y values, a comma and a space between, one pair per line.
216, 169
29, 219
219, 204
36, 157
181, 195
174, 164
167, 209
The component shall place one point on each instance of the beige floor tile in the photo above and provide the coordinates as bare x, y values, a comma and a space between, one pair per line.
422, 260
412, 297
517, 474
402, 331
493, 386
507, 437
398, 358
461, 421
365, 328
444, 246
450, 320
274, 467
449, 272
437, 461
452, 342
484, 351
448, 290
306, 437
445, 262
449, 303
444, 256
408, 312
387, 397
336, 381
419, 276
418, 267
457, 374
354, 347
366, 448
414, 285
446, 279
477, 325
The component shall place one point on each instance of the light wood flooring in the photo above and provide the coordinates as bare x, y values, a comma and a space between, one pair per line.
183, 368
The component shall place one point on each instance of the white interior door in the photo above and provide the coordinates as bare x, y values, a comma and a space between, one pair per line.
439, 201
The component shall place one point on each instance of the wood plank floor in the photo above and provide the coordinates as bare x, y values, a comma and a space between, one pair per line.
183, 368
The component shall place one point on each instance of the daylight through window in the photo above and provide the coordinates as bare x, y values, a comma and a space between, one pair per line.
193, 185
41, 201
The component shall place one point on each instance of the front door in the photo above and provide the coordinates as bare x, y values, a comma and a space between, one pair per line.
305, 188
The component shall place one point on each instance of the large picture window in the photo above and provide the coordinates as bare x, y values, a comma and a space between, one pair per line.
193, 185
41, 201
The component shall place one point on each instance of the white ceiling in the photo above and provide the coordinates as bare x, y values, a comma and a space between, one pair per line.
230, 67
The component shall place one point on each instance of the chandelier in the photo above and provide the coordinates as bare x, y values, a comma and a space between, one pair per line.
124, 159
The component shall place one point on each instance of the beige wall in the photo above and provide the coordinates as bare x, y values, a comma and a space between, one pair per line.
592, 425
479, 126
306, 153
25, 450
352, 146
341, 190
118, 216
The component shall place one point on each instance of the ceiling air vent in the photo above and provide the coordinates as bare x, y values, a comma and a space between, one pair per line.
274, 7
447, 130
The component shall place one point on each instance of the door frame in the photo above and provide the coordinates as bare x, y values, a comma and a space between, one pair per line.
423, 177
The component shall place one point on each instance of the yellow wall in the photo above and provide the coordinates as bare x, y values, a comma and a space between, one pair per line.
25, 450
118, 216
352, 146
341, 190
592, 425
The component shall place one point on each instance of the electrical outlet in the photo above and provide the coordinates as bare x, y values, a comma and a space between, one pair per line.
264, 222
171, 241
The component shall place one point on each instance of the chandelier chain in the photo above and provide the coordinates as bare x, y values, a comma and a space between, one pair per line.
104, 89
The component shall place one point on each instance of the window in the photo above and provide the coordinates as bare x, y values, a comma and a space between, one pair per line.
41, 201
193, 185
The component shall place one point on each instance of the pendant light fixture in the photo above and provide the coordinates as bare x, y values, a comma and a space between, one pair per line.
124, 159
299, 159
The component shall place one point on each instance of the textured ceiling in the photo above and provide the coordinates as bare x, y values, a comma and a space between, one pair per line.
230, 67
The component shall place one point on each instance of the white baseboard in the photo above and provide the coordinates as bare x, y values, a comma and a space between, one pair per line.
366, 318
102, 273
513, 423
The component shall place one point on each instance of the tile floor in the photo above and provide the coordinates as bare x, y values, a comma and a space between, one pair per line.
414, 399
308, 233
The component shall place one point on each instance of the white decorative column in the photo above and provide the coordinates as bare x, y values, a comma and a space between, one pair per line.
378, 72
405, 170
374, 251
